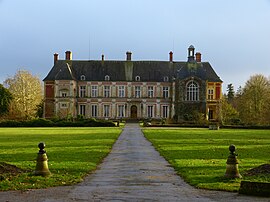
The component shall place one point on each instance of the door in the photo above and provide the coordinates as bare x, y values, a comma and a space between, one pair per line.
133, 112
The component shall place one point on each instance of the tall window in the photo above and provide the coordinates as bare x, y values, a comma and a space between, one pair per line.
106, 91
137, 91
192, 91
121, 111
82, 91
106, 110
63, 93
82, 110
121, 91
150, 91
94, 91
150, 112
165, 92
165, 111
94, 110
210, 94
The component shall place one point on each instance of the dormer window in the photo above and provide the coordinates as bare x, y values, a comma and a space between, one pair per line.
137, 78
166, 79
107, 78
82, 78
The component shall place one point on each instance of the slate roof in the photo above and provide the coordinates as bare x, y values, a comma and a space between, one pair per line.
94, 70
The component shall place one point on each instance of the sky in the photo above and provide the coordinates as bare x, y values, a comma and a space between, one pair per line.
234, 36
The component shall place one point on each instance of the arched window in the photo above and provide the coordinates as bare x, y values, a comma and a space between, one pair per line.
137, 78
165, 79
82, 78
192, 91
107, 78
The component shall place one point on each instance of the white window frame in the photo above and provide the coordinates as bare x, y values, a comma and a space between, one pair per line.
150, 91
192, 91
165, 111
63, 105
137, 78
121, 111
150, 111
107, 78
107, 91
165, 92
94, 110
82, 109
210, 94
137, 91
94, 91
121, 91
82, 91
106, 110
166, 79
82, 77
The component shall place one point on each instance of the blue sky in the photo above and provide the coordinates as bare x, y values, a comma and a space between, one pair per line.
234, 36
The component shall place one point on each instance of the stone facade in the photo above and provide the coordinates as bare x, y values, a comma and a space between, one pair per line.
132, 89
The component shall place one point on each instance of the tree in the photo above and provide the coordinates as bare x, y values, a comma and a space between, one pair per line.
5, 99
253, 104
229, 114
26, 90
230, 93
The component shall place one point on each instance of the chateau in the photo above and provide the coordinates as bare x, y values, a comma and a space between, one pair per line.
127, 89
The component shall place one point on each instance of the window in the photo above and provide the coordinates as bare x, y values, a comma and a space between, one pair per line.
165, 111
94, 91
210, 94
121, 91
82, 110
82, 91
94, 110
150, 91
121, 111
137, 78
106, 91
165, 79
150, 111
63, 94
106, 110
137, 91
63, 105
165, 92
192, 92
107, 78
82, 77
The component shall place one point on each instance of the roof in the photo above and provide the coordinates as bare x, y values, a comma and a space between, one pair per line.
155, 71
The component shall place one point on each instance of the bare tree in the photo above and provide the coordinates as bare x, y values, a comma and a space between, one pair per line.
26, 90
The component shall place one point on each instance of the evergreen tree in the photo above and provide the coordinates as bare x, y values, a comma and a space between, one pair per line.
5, 99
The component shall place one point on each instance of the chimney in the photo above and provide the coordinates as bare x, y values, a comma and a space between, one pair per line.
128, 55
171, 56
55, 57
68, 55
198, 57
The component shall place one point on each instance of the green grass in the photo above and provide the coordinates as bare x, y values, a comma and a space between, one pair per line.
199, 155
72, 154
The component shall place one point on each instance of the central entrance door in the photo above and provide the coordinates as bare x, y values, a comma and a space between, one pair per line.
133, 112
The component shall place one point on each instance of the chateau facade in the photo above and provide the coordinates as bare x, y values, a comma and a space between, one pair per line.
106, 89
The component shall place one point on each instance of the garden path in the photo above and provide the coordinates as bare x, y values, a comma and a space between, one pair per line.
133, 171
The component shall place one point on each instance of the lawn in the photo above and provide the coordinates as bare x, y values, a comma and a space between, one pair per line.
72, 154
199, 155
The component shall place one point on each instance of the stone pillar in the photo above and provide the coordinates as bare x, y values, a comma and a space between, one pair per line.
232, 164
